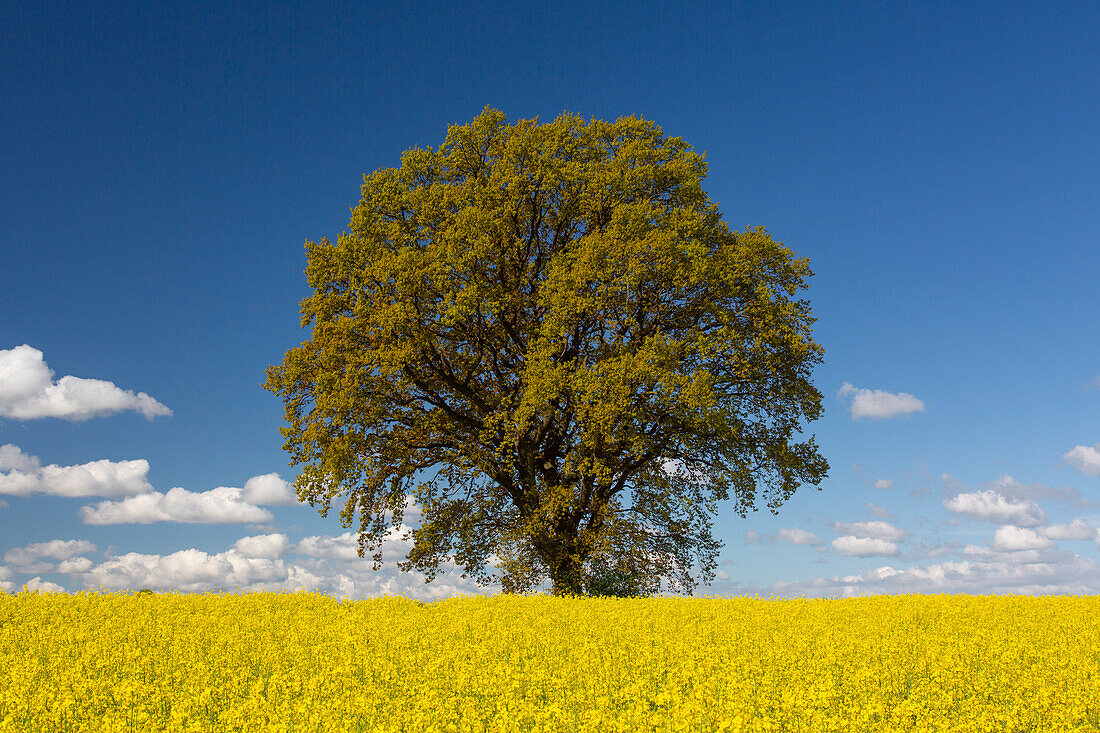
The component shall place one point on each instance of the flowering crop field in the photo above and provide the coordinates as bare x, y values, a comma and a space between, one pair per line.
304, 662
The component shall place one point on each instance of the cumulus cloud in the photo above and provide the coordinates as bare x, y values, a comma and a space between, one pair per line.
990, 572
22, 475
223, 505
798, 537
863, 546
334, 567
875, 530
878, 511
877, 403
264, 562
1010, 488
43, 586
75, 565
884, 483
266, 546
1078, 529
188, 570
28, 555
1085, 459
1010, 538
346, 546
269, 489
994, 507
1016, 557
12, 458
793, 535
358, 580
28, 391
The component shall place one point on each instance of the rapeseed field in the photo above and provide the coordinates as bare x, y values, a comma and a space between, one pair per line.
304, 662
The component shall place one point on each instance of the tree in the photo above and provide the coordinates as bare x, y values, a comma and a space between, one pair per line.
546, 336
620, 579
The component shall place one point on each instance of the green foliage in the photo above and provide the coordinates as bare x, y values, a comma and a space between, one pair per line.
547, 337
618, 580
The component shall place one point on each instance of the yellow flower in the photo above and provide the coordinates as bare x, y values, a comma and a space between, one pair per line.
279, 662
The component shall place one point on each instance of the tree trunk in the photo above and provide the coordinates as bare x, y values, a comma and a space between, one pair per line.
566, 570
567, 577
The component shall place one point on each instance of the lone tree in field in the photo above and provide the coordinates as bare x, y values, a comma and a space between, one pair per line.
548, 338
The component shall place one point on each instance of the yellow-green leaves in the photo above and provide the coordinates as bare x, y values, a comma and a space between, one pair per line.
524, 328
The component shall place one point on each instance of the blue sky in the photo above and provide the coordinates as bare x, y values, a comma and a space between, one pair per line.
162, 165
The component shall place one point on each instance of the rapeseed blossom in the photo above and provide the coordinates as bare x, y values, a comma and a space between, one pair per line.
304, 662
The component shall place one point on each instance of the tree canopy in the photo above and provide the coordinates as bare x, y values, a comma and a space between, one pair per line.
546, 337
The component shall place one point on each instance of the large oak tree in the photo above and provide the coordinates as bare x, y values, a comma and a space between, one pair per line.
546, 336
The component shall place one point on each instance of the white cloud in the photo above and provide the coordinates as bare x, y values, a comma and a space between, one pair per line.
877, 403
1085, 459
1010, 488
344, 547
54, 550
1032, 572
876, 530
677, 467
269, 489
721, 575
223, 505
793, 535
358, 580
75, 565
1010, 538
12, 458
994, 507
798, 537
863, 546
884, 483
43, 586
22, 475
333, 568
187, 570
27, 392
268, 546
878, 511
1078, 529
1033, 556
